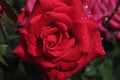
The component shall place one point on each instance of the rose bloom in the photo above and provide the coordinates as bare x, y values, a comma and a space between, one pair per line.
59, 39
93, 10
100, 10
108, 6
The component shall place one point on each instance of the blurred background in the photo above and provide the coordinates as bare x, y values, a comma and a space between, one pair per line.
13, 68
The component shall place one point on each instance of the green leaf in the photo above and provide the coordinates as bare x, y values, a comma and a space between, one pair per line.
3, 49
2, 60
90, 70
69, 79
31, 72
84, 78
106, 70
1, 74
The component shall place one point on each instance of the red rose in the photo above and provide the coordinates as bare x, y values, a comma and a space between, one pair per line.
59, 39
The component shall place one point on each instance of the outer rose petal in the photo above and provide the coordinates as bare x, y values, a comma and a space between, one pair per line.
59, 39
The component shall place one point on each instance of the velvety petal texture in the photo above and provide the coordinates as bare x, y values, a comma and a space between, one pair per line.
59, 39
